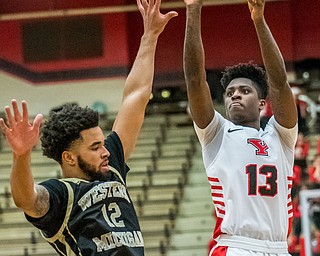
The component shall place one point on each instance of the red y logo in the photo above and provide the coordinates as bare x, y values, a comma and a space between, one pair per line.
260, 145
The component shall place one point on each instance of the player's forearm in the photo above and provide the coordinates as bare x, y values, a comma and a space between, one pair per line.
199, 97
283, 105
22, 183
193, 55
140, 78
272, 57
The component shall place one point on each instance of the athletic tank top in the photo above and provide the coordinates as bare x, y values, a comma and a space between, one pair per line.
250, 173
93, 218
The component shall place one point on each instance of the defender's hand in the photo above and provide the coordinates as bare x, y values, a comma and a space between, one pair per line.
256, 8
154, 21
20, 134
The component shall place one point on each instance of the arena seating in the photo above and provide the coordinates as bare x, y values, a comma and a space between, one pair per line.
195, 221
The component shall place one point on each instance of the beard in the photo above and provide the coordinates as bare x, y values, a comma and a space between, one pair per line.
91, 171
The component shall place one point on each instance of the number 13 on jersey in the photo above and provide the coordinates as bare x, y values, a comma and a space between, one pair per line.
270, 188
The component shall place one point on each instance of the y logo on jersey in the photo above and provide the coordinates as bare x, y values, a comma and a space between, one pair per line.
260, 145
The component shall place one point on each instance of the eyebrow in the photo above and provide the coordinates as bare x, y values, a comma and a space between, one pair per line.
95, 143
240, 86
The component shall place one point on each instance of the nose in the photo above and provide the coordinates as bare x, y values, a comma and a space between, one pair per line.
105, 152
236, 95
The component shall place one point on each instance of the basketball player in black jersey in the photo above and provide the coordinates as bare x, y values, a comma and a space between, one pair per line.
88, 212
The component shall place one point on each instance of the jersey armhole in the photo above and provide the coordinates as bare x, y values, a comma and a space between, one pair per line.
58, 235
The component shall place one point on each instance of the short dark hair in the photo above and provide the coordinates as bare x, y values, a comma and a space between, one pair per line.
63, 127
250, 71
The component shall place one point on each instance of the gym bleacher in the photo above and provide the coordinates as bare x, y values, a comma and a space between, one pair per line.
166, 183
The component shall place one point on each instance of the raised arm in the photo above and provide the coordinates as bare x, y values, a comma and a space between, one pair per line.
138, 85
22, 136
281, 98
200, 101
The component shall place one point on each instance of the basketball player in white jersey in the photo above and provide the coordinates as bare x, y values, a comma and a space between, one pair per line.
249, 169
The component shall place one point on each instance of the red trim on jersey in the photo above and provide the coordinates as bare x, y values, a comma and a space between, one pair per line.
212, 243
221, 211
216, 195
216, 187
220, 251
213, 179
218, 202
217, 229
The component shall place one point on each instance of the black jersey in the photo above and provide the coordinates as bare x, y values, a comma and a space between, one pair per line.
93, 218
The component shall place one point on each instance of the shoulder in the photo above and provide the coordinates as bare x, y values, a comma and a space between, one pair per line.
209, 133
54, 186
58, 205
288, 136
113, 143
116, 158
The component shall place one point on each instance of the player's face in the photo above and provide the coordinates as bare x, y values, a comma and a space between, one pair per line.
92, 156
242, 102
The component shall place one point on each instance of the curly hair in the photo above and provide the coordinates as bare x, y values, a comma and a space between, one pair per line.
63, 127
250, 71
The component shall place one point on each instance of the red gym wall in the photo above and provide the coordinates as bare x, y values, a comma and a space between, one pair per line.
228, 35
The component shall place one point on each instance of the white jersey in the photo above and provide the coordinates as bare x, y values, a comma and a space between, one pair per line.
250, 174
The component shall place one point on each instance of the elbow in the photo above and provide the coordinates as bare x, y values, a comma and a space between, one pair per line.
142, 96
23, 201
278, 77
279, 82
195, 78
146, 93
19, 203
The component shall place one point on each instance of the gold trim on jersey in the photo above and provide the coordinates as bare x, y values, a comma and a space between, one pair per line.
114, 170
59, 236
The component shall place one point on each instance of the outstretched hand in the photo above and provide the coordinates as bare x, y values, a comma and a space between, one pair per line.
20, 134
154, 21
256, 8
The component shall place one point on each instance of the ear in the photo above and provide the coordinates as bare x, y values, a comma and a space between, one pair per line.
69, 158
262, 104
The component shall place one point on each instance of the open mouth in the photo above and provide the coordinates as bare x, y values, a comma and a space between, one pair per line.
105, 165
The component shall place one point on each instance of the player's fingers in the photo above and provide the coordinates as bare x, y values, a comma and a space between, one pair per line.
258, 2
37, 121
25, 114
3, 126
156, 3
140, 7
16, 112
171, 14
252, 2
9, 116
144, 4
